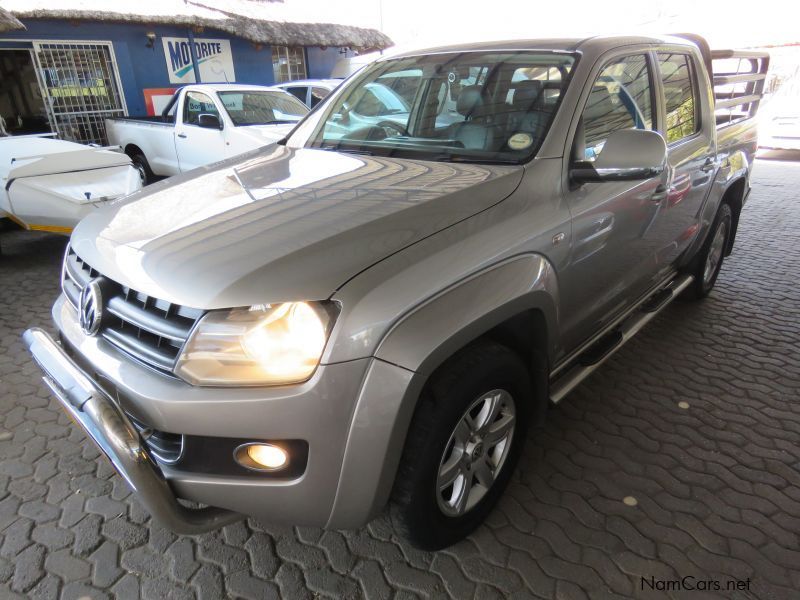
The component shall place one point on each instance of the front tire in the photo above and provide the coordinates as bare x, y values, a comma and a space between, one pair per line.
463, 444
708, 262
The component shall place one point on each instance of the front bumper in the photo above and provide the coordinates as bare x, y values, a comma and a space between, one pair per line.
114, 434
321, 412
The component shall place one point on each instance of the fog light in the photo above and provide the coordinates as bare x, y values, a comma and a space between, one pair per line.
266, 457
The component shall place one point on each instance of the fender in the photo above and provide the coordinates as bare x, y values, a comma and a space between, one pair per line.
410, 351
423, 339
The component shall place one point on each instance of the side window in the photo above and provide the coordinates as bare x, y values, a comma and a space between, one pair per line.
317, 95
197, 104
298, 92
679, 95
621, 98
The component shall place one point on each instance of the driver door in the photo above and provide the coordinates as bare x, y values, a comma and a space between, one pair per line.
197, 146
612, 258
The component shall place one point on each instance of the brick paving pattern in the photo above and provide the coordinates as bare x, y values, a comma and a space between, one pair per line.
680, 457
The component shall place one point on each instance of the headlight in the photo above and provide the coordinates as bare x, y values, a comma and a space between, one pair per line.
261, 345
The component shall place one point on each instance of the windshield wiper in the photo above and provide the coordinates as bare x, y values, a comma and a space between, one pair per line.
474, 160
347, 150
275, 122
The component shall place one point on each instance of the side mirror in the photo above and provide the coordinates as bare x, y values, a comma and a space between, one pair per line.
209, 121
628, 155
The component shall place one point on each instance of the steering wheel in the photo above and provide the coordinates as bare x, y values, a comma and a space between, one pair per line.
387, 124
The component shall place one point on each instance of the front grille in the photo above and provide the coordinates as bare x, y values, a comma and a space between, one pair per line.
149, 329
166, 447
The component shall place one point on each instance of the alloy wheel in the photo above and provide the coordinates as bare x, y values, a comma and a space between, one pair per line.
476, 452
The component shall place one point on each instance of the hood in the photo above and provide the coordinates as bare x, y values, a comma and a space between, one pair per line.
280, 224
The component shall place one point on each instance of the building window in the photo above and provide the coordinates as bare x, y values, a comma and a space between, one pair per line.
288, 64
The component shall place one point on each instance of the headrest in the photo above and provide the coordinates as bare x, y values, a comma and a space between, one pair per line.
470, 99
526, 93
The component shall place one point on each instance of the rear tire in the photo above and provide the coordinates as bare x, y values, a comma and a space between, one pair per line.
469, 427
706, 265
145, 172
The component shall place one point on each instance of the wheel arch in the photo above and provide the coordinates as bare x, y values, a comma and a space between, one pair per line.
734, 197
513, 303
132, 149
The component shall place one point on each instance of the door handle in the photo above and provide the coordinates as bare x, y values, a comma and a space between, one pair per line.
659, 193
709, 165
182, 135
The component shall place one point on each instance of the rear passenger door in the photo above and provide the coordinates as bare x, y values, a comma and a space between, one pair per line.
690, 144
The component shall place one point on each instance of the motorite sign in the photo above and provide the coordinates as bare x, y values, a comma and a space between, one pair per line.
214, 59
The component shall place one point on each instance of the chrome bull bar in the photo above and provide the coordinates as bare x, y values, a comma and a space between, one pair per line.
115, 435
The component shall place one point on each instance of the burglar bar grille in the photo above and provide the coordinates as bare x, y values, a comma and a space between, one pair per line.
150, 330
82, 88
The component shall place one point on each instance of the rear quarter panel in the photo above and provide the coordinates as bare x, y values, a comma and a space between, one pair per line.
736, 149
155, 140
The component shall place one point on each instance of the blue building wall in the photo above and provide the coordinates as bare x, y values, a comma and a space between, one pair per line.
141, 67
320, 61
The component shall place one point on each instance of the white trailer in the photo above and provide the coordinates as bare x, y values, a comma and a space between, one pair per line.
50, 184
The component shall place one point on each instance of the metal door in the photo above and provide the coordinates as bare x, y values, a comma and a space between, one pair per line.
615, 225
692, 155
81, 88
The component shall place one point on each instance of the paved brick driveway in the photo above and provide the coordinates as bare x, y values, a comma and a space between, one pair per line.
716, 483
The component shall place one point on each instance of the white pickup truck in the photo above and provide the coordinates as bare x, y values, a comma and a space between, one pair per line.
202, 124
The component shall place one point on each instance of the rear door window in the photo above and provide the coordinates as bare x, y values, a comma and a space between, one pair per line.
318, 94
299, 92
679, 95
621, 98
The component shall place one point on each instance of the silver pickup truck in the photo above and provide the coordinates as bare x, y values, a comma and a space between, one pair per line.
366, 315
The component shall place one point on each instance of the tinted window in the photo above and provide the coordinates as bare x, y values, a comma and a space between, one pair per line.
298, 92
621, 98
317, 95
679, 95
197, 104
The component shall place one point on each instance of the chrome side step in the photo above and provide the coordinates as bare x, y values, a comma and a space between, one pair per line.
586, 363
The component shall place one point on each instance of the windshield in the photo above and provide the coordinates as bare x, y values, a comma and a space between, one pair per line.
262, 108
470, 106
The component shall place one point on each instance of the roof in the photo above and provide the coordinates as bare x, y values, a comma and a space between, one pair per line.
285, 23
566, 44
312, 82
229, 87
8, 22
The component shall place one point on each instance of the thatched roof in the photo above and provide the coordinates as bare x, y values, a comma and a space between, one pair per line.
8, 22
288, 23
